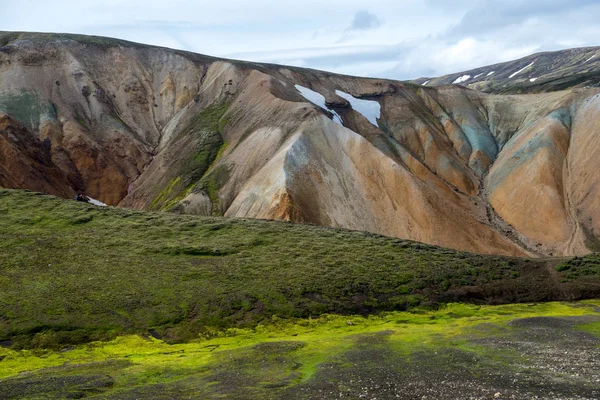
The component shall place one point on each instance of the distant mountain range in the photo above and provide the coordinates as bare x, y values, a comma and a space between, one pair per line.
153, 128
541, 72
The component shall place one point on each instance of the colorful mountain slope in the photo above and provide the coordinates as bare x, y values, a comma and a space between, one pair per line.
153, 128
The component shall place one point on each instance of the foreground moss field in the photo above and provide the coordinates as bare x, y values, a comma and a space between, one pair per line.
117, 303
466, 349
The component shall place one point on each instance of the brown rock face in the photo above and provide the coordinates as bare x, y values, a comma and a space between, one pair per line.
26, 163
154, 128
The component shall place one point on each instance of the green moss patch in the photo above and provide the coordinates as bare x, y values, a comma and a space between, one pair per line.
205, 125
288, 359
169, 195
198, 145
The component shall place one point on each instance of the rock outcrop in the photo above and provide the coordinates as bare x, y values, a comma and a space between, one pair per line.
154, 128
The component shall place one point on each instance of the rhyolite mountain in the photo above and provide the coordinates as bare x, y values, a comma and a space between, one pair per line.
541, 72
153, 128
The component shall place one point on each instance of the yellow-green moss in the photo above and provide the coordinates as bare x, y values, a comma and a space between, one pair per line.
165, 196
322, 339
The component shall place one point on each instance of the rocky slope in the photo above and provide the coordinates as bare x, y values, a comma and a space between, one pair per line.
541, 72
154, 128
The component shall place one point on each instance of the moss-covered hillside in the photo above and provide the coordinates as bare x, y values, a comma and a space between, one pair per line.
73, 272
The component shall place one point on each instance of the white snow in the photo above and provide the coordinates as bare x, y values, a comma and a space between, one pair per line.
462, 79
491, 73
425, 83
521, 70
533, 79
319, 100
590, 58
477, 76
96, 202
370, 109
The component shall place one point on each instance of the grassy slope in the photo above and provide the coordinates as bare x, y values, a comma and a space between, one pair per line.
72, 272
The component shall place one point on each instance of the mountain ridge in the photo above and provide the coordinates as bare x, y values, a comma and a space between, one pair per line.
558, 70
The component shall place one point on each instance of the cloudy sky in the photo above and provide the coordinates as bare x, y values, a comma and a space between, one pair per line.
400, 39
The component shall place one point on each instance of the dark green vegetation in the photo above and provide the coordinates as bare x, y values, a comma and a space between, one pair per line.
547, 351
199, 145
577, 267
72, 272
212, 121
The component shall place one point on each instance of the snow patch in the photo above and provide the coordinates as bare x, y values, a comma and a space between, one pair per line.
319, 100
477, 76
521, 70
425, 83
490, 73
96, 202
589, 58
462, 79
369, 109
533, 79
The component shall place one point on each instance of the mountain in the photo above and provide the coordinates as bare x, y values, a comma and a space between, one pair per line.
152, 128
541, 72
